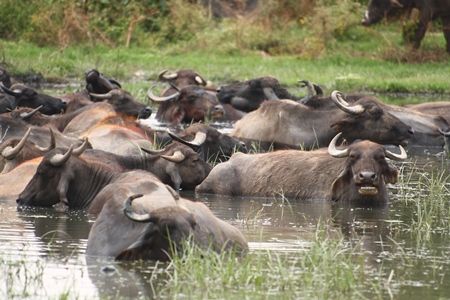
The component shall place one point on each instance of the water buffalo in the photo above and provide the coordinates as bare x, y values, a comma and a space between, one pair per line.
189, 104
156, 224
211, 144
429, 10
5, 78
13, 182
288, 124
318, 174
125, 104
79, 183
15, 151
248, 95
180, 79
28, 97
97, 83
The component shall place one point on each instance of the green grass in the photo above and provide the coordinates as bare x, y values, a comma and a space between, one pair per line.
336, 71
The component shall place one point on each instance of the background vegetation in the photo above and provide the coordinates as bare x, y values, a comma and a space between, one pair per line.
321, 41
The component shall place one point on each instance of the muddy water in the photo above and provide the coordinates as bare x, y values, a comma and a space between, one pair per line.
42, 249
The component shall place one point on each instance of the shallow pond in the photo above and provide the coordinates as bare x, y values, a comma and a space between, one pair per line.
404, 246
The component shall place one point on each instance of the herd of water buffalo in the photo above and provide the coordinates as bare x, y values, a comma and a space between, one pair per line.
91, 150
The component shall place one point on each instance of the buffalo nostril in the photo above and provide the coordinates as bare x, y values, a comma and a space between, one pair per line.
367, 176
148, 109
18, 201
411, 131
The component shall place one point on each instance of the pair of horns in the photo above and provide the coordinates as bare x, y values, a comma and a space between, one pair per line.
345, 152
11, 152
60, 159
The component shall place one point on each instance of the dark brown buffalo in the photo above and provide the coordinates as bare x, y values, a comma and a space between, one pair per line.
180, 79
428, 11
288, 124
25, 96
80, 183
189, 104
212, 145
125, 104
97, 83
248, 95
315, 175
156, 225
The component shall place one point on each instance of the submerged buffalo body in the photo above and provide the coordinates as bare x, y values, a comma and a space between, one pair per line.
153, 227
356, 174
288, 124
429, 10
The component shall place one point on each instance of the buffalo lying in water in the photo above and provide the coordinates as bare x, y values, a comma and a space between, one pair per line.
287, 124
318, 174
152, 226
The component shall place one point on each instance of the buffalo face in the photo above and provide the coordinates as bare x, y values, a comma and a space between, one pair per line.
125, 104
45, 186
28, 97
168, 229
366, 119
365, 173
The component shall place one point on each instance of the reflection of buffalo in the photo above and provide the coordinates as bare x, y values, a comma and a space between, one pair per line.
429, 10
308, 174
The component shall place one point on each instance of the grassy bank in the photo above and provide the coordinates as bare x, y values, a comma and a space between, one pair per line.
137, 67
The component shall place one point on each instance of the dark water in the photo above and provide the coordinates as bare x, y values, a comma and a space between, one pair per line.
42, 249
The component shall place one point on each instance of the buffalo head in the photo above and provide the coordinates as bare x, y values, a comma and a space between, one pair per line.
99, 84
124, 104
365, 172
28, 97
248, 95
189, 104
50, 183
167, 229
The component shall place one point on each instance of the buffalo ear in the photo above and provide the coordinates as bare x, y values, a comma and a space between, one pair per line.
338, 186
390, 175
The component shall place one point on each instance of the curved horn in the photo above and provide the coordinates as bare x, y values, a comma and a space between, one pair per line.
130, 213
161, 76
175, 195
177, 138
199, 139
26, 115
310, 87
152, 151
78, 151
335, 152
200, 80
318, 89
176, 157
336, 96
52, 142
395, 156
11, 152
160, 99
60, 159
270, 94
101, 96
8, 91
444, 133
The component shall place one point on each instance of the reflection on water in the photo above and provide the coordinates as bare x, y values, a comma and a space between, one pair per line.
42, 250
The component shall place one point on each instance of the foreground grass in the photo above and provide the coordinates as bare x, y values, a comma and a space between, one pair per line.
137, 68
